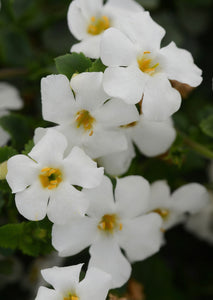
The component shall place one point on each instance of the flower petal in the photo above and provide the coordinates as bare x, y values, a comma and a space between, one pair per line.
95, 285
101, 199
131, 196
32, 202
143, 31
45, 293
117, 49
63, 279
50, 149
124, 83
128, 6
160, 100
4, 137
73, 237
90, 46
104, 142
180, 65
22, 172
160, 195
90, 8
190, 198
116, 113
9, 97
81, 170
66, 203
58, 101
141, 237
118, 163
153, 138
77, 23
88, 88
107, 256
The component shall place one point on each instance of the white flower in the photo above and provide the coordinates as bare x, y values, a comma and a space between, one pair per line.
189, 198
200, 224
88, 19
65, 281
152, 138
111, 225
87, 119
43, 181
139, 69
9, 99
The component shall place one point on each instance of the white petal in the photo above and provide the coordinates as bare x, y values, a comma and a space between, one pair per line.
90, 46
39, 133
88, 88
73, 237
143, 31
57, 98
141, 237
127, 6
101, 199
50, 149
66, 203
90, 7
9, 97
81, 170
32, 202
117, 163
124, 83
160, 195
76, 21
180, 65
104, 142
22, 172
117, 49
45, 293
190, 198
107, 256
116, 113
160, 99
153, 138
131, 195
95, 285
63, 279
4, 137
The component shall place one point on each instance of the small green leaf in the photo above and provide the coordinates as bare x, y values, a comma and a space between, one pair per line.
28, 147
69, 64
6, 153
97, 66
207, 126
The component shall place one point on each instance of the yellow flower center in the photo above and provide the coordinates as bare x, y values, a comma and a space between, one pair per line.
71, 297
164, 213
98, 25
109, 223
50, 178
145, 64
85, 120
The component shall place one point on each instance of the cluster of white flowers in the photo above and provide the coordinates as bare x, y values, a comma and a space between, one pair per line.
96, 117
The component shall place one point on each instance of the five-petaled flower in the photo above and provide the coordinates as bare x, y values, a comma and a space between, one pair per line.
65, 281
43, 181
110, 225
139, 70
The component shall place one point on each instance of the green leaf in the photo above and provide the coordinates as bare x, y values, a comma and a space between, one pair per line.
6, 152
28, 147
69, 64
97, 66
207, 126
18, 127
32, 238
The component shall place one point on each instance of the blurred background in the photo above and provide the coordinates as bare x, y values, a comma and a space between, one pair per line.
32, 34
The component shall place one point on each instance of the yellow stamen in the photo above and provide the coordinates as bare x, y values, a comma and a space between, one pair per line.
50, 178
85, 120
98, 25
164, 213
71, 297
109, 223
144, 63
